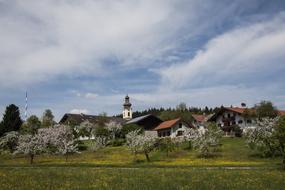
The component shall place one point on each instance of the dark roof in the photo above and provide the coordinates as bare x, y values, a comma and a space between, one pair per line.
148, 122
137, 119
77, 119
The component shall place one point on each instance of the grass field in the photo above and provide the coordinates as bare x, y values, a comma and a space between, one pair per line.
114, 168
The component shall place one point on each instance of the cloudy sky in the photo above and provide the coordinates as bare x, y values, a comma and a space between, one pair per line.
85, 56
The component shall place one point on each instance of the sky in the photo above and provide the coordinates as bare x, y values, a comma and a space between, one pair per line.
85, 56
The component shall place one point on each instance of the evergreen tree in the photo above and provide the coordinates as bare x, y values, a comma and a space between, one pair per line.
48, 119
11, 120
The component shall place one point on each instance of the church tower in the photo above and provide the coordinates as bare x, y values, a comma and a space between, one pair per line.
127, 113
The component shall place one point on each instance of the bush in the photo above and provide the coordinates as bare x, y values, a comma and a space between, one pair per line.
117, 142
237, 130
82, 146
128, 128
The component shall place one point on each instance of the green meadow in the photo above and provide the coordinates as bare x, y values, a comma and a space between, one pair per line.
233, 167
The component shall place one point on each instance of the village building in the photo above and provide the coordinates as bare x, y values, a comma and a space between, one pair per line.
199, 120
147, 122
229, 116
172, 128
77, 119
127, 112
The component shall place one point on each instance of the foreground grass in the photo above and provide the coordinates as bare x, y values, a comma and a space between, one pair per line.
234, 153
142, 178
234, 167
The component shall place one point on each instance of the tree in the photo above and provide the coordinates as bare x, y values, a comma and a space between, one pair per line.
59, 140
181, 107
265, 109
166, 145
128, 128
279, 134
114, 128
31, 146
261, 138
33, 124
98, 143
139, 143
11, 120
9, 141
47, 119
208, 141
86, 129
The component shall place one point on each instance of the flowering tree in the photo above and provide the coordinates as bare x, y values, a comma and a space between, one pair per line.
62, 139
261, 138
279, 134
98, 143
9, 141
138, 143
207, 141
86, 128
114, 128
55, 140
30, 145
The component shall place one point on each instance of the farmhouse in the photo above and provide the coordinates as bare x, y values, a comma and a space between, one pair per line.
77, 119
172, 128
229, 116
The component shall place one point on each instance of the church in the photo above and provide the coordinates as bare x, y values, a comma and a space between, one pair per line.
151, 124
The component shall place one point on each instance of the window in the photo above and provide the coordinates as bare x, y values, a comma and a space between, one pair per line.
159, 134
129, 114
229, 115
240, 121
248, 121
168, 133
180, 125
180, 133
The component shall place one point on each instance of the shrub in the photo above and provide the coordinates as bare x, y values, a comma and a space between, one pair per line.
117, 142
237, 130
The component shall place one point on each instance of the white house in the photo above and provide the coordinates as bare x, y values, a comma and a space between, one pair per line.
172, 128
229, 116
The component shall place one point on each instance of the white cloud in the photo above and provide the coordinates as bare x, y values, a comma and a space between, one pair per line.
45, 39
238, 56
79, 111
90, 95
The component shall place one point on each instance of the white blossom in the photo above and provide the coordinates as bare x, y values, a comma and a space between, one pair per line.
98, 143
139, 143
114, 128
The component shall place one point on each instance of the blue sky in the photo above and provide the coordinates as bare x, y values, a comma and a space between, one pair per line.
85, 56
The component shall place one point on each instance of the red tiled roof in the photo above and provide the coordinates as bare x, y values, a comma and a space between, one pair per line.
167, 124
241, 110
281, 112
236, 109
199, 118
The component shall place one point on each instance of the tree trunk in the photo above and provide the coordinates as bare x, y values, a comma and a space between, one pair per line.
66, 157
146, 156
31, 159
284, 161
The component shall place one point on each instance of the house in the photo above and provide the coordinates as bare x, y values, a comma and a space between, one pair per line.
148, 122
172, 128
200, 119
77, 119
228, 116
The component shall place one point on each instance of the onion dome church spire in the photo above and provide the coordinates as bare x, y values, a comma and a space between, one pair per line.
127, 112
